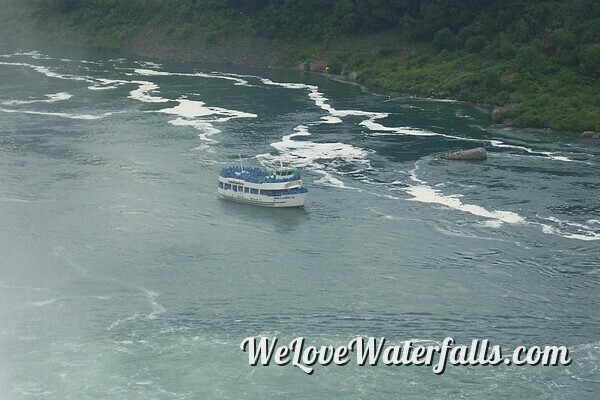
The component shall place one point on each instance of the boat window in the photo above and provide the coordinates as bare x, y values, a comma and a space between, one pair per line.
221, 184
254, 191
227, 186
246, 190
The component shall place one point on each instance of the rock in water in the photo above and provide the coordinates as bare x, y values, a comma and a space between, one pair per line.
472, 155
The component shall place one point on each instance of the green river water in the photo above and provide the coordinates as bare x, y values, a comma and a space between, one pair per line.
123, 276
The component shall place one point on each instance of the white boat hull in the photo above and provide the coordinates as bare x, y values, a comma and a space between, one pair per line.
290, 200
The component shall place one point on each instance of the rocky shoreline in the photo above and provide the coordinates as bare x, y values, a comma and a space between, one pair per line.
252, 51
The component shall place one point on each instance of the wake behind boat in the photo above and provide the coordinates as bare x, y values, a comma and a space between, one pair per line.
281, 187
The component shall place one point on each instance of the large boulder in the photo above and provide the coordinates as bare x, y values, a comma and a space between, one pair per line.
317, 66
303, 66
476, 154
353, 76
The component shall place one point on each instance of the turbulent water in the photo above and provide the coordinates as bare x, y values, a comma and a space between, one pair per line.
124, 276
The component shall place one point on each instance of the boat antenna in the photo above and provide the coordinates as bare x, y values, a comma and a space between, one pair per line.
241, 165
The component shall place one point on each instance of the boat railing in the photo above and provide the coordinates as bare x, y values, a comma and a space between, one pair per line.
255, 175
284, 192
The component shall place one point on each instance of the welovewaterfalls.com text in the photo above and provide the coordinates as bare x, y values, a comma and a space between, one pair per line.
373, 351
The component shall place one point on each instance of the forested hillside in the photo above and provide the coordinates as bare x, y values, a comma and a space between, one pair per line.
536, 62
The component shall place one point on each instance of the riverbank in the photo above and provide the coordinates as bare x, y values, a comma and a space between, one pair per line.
381, 62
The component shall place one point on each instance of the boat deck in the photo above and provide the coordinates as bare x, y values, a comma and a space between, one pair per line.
255, 175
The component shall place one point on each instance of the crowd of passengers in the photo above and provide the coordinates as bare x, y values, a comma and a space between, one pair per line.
255, 175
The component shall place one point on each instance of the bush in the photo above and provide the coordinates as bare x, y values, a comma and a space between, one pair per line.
475, 44
590, 60
444, 40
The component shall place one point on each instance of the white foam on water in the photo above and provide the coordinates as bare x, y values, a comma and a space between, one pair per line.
329, 180
437, 100
97, 83
206, 130
422, 192
334, 115
308, 154
16, 200
51, 98
196, 109
382, 130
51, 74
287, 85
549, 154
142, 93
118, 322
491, 223
157, 309
331, 120
149, 64
150, 72
406, 130
57, 114
555, 231
426, 194
200, 125
214, 75
193, 113
58, 96
370, 123
558, 158
44, 302
583, 232
106, 84
197, 115
23, 53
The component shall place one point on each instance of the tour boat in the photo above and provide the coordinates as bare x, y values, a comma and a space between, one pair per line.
281, 187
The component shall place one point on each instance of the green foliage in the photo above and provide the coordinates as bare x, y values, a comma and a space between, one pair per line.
590, 60
474, 44
444, 40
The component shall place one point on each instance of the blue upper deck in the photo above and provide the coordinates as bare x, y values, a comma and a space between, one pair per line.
256, 175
